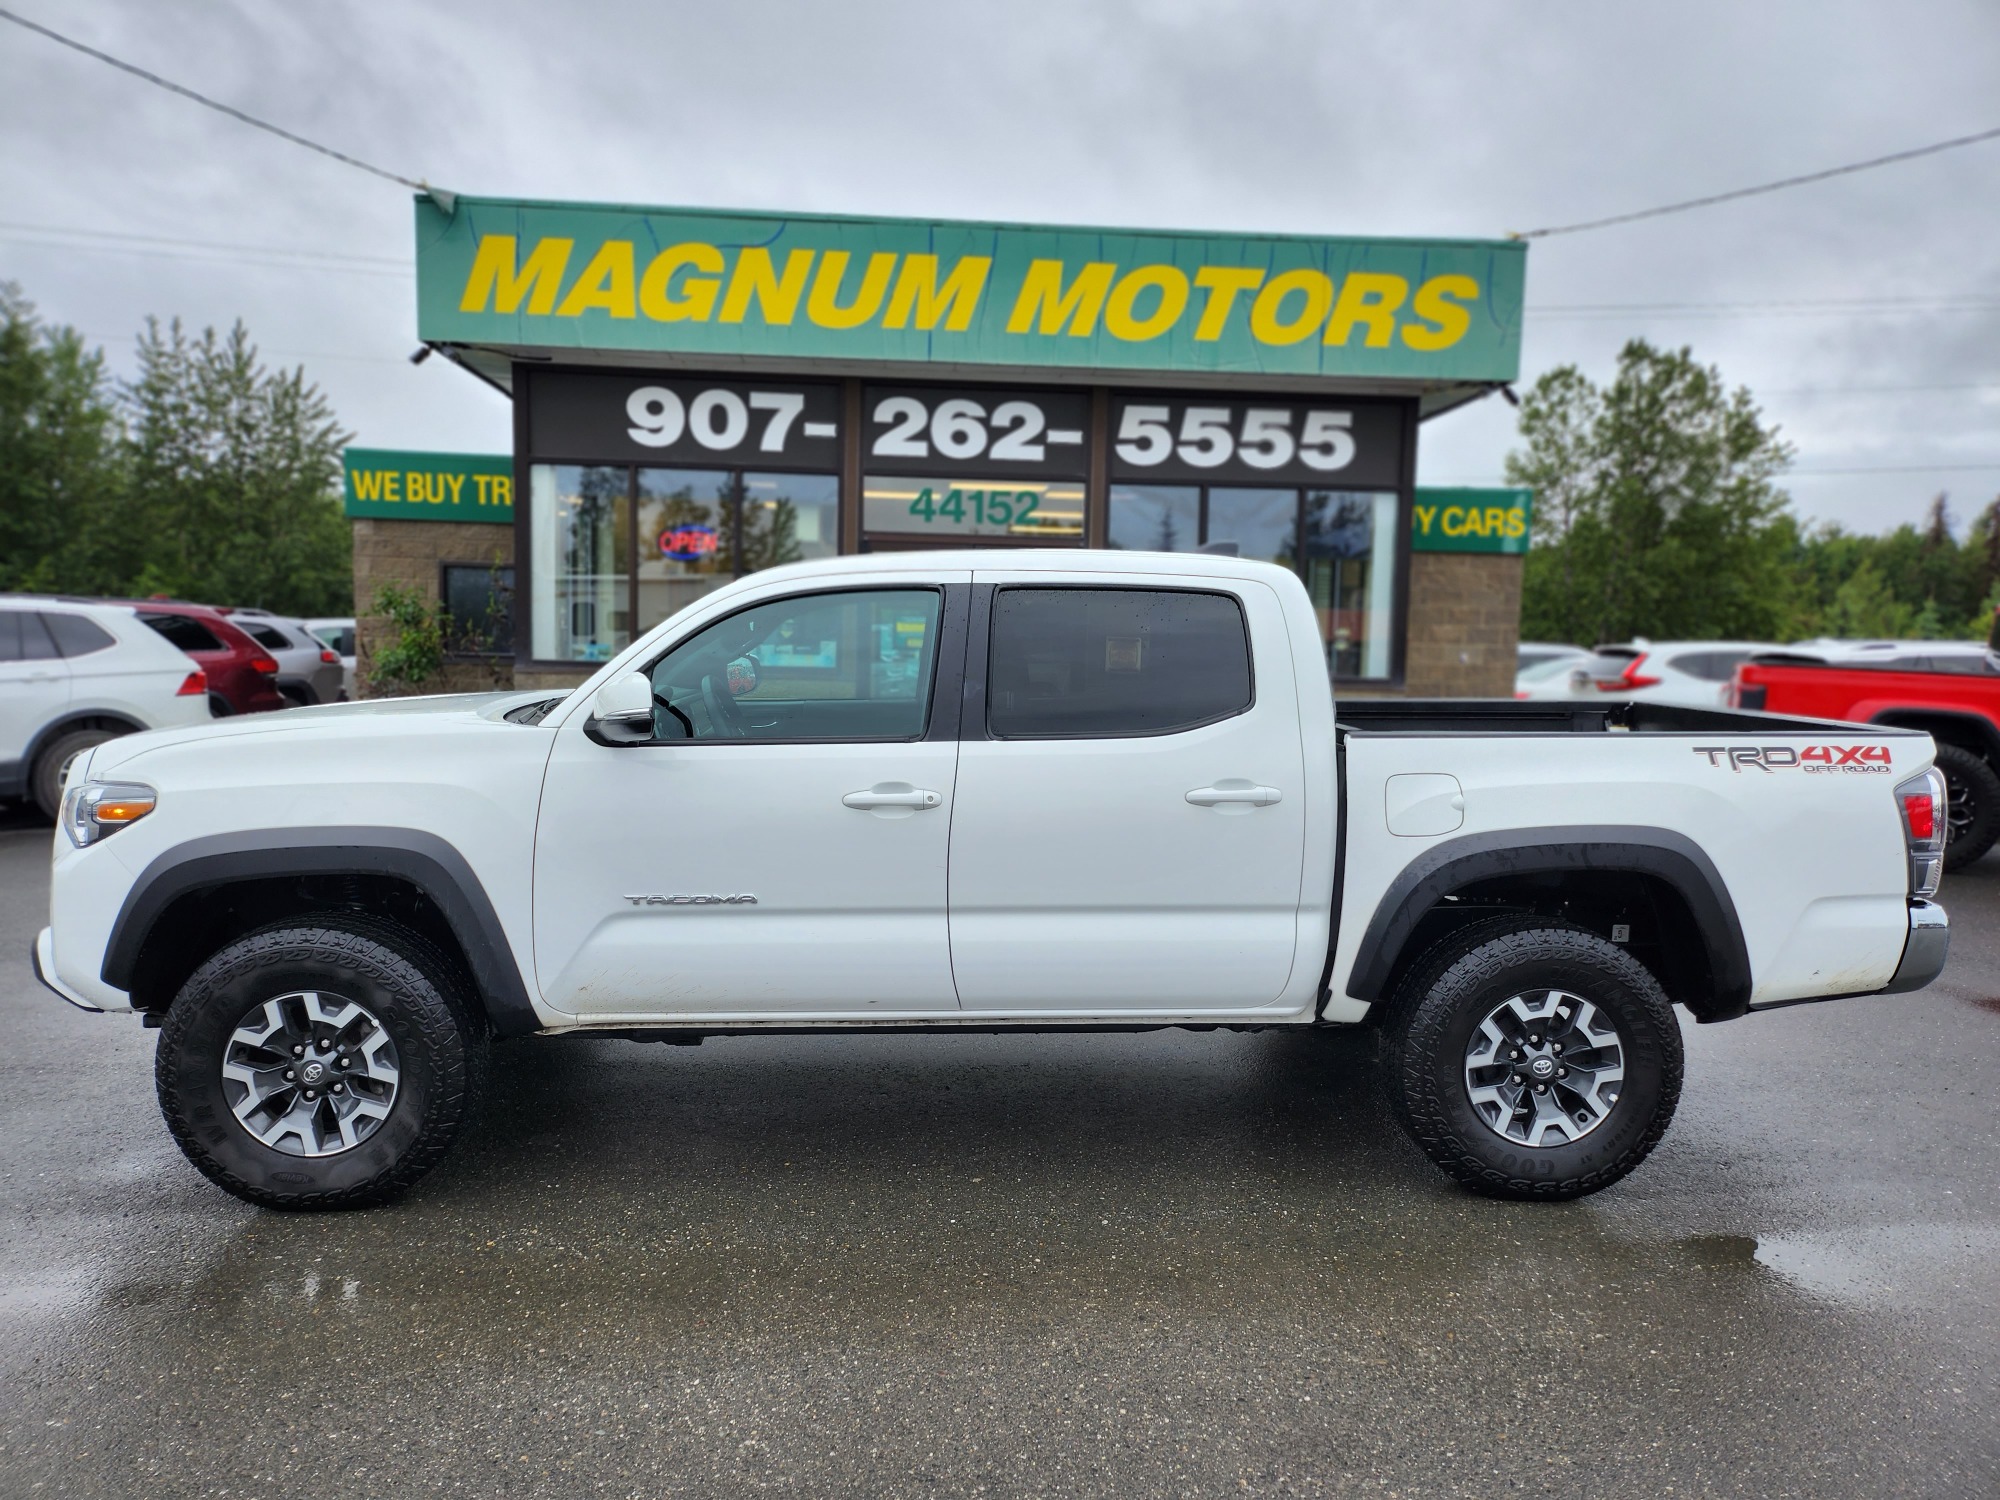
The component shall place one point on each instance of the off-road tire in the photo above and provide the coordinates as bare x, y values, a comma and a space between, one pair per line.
1969, 780
1435, 1010
47, 777
419, 998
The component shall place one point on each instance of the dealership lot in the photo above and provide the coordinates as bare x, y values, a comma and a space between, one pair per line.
1134, 1265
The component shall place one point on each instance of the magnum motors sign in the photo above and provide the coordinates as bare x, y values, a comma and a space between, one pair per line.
888, 291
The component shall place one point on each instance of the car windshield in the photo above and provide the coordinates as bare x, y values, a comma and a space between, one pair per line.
1558, 666
1608, 662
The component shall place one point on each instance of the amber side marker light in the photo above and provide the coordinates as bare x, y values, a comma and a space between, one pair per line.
98, 809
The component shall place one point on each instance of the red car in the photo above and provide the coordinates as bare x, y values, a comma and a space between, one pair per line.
1953, 694
242, 675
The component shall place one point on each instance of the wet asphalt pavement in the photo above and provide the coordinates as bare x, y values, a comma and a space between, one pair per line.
1167, 1264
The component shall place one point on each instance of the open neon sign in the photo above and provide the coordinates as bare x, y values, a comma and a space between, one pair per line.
689, 543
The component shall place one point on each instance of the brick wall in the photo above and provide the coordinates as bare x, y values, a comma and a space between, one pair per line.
410, 553
1465, 625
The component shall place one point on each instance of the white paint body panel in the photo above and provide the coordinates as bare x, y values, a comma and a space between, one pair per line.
1066, 881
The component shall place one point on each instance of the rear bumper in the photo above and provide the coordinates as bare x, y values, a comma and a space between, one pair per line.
45, 970
1924, 952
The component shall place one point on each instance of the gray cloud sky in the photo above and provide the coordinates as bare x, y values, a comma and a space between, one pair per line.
1390, 118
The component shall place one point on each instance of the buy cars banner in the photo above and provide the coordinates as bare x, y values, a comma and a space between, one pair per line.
428, 486
584, 276
1472, 520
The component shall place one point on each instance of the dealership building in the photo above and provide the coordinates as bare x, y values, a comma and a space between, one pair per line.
698, 395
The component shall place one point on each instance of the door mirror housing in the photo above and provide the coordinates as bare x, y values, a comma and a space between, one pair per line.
621, 712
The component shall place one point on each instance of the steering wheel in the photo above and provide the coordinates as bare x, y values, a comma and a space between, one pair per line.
722, 710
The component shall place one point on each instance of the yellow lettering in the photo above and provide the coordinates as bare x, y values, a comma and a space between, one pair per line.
1434, 305
1120, 319
697, 293
777, 297
1222, 283
457, 483
1451, 529
1496, 521
1370, 297
605, 283
1517, 523
495, 278
917, 291
1425, 514
503, 489
391, 486
1044, 304
368, 484
823, 306
1267, 323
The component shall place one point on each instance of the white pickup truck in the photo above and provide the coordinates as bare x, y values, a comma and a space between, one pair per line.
1024, 790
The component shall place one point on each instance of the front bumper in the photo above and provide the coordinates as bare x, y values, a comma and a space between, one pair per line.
1924, 952
45, 970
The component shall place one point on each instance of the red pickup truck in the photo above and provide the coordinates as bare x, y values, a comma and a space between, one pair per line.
1954, 695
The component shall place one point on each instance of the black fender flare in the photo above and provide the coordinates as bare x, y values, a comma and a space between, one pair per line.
425, 860
73, 718
1451, 866
1980, 729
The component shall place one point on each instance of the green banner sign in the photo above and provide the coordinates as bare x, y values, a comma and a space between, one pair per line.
404, 486
933, 292
1494, 520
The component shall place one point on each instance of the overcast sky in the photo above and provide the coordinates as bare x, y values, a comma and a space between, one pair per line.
1395, 118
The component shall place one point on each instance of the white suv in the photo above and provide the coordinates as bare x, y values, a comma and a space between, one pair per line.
74, 675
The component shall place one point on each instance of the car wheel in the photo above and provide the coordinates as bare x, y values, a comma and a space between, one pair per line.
219, 707
1532, 1059
1972, 805
328, 1065
53, 764
296, 696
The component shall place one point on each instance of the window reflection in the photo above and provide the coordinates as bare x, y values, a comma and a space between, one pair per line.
581, 539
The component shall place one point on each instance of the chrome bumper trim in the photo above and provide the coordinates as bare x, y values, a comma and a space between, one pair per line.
1924, 953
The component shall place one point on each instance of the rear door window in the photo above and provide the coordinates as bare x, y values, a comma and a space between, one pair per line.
76, 636
36, 644
187, 634
1709, 666
267, 636
1097, 663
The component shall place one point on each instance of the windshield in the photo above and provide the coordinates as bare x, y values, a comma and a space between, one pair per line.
1544, 671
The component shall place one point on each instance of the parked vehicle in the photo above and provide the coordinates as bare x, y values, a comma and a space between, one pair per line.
1537, 653
242, 675
1694, 673
75, 675
1126, 771
309, 670
1949, 692
1550, 678
338, 634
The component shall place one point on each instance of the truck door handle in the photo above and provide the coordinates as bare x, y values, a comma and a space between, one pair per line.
883, 796
1235, 791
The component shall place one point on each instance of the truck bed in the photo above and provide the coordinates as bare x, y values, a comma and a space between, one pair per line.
1557, 716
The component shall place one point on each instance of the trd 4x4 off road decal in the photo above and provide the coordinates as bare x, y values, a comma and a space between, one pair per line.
1848, 759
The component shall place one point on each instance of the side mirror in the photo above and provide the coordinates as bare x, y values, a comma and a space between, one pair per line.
621, 712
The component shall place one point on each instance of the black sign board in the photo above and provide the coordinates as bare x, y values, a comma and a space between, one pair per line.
1325, 443
705, 422
987, 432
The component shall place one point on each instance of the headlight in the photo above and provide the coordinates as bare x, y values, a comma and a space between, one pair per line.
97, 809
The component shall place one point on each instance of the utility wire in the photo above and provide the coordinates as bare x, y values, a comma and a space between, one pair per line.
1763, 187
90, 236
202, 99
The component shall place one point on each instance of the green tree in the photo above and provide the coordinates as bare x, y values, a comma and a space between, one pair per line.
61, 470
1657, 512
234, 478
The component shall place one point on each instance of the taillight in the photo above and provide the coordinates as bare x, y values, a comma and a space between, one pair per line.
331, 658
1630, 678
1925, 806
264, 664
196, 686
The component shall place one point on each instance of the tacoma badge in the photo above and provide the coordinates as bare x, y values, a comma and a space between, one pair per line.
692, 900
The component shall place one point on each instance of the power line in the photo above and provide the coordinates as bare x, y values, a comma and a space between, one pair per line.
292, 263
1762, 187
202, 99
90, 235
1780, 478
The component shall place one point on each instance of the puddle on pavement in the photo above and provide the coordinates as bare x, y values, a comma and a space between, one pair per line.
1907, 1266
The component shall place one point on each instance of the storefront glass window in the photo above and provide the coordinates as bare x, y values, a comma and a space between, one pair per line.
949, 509
1351, 574
1258, 524
1156, 517
581, 519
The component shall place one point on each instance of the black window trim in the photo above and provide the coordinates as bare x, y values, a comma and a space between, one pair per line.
983, 715
941, 718
444, 567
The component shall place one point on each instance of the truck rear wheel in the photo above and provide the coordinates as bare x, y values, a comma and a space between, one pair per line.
1972, 805
1532, 1059
328, 1065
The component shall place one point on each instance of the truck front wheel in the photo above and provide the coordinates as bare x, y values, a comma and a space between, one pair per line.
1532, 1059
320, 1065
